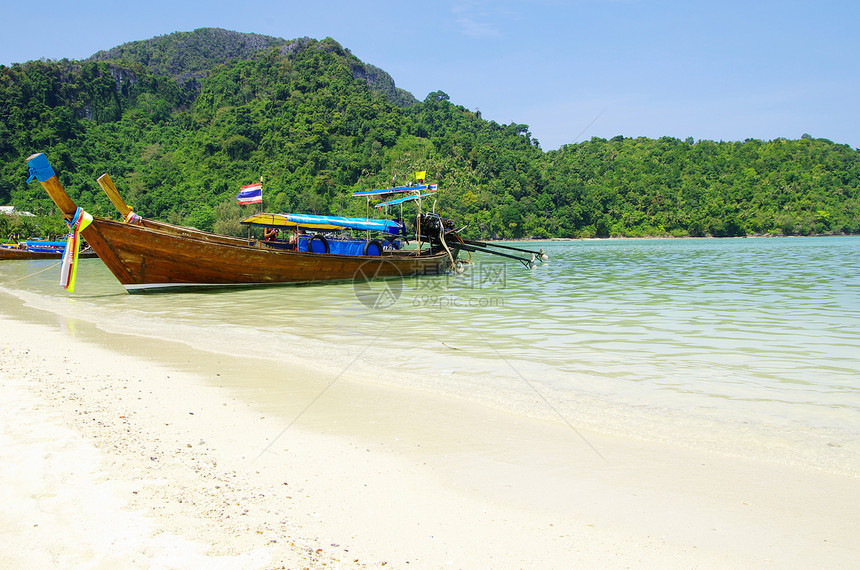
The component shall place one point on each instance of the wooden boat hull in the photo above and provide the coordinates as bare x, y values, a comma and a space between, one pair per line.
165, 257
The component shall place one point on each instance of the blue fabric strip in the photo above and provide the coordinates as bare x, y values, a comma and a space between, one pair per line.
40, 168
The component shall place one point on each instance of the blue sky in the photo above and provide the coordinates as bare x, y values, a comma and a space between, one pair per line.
718, 70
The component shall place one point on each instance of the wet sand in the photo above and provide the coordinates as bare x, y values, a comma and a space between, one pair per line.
131, 452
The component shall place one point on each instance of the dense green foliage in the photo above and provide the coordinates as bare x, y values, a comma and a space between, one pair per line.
182, 121
187, 54
667, 186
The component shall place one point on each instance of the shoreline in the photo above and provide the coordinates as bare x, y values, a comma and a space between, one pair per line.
666, 237
364, 475
772, 439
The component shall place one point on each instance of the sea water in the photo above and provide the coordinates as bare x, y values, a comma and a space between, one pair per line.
747, 345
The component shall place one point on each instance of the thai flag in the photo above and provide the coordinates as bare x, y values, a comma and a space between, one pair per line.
251, 194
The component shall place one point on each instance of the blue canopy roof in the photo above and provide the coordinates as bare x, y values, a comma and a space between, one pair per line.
398, 190
401, 200
320, 222
43, 243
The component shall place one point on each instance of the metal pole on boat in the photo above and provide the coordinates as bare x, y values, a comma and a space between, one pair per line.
418, 223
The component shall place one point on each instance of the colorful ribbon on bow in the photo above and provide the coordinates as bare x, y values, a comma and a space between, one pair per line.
69, 266
133, 219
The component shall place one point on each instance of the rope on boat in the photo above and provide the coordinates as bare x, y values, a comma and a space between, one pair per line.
31, 275
134, 219
460, 239
442, 239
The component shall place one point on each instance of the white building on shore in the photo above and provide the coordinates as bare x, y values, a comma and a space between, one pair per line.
11, 211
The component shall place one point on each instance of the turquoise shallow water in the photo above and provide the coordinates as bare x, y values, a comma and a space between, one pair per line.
750, 340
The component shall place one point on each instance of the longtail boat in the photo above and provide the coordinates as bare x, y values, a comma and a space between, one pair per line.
147, 255
38, 249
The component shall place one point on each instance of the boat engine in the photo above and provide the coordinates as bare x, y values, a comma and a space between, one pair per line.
433, 225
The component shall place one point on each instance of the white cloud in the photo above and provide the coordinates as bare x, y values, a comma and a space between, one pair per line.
474, 25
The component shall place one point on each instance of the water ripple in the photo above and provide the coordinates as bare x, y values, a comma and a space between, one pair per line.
742, 328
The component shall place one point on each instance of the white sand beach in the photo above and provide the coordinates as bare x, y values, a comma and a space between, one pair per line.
111, 460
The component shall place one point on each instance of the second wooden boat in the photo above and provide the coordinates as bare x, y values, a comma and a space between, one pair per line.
34, 251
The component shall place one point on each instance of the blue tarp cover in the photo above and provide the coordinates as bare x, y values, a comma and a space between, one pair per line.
339, 246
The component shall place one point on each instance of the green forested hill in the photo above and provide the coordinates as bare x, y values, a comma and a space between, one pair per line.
182, 121
652, 187
186, 54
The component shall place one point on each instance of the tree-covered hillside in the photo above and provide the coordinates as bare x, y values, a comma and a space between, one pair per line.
185, 54
189, 56
668, 186
182, 121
